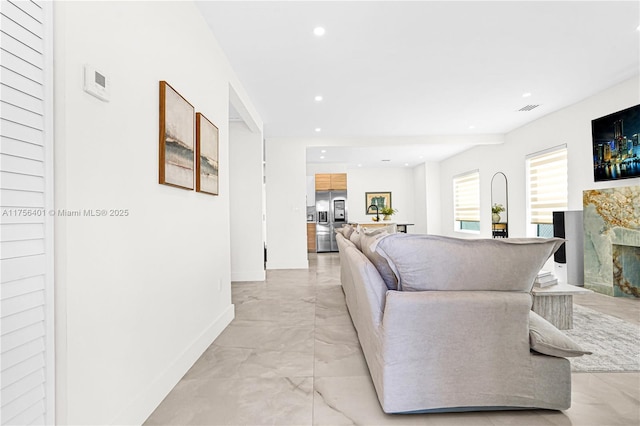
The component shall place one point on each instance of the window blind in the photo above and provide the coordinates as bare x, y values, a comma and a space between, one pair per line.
466, 193
548, 186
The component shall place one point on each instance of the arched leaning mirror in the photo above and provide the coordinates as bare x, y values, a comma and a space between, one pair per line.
499, 206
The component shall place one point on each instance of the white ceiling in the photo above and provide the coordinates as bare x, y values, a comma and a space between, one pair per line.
401, 69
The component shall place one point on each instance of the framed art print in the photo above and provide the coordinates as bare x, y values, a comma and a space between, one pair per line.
206, 156
378, 199
177, 140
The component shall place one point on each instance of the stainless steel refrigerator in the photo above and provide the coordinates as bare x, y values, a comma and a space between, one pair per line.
331, 213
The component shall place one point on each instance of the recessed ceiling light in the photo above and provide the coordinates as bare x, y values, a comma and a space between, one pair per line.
526, 94
318, 98
359, 165
323, 151
319, 31
406, 164
318, 129
322, 157
472, 127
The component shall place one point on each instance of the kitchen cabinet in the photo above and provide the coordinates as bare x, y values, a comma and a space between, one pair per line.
339, 182
311, 237
331, 182
323, 182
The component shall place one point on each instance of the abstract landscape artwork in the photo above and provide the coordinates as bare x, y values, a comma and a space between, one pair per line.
176, 139
206, 156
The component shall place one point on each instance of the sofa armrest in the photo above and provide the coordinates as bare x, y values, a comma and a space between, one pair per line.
494, 321
434, 339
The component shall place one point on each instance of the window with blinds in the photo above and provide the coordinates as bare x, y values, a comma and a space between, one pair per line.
26, 231
466, 198
547, 184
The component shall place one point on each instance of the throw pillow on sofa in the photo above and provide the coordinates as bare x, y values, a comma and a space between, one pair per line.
431, 262
546, 339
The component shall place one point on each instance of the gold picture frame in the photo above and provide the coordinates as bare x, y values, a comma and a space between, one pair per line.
207, 150
177, 142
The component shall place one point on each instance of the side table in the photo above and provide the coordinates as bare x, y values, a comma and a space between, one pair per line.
555, 303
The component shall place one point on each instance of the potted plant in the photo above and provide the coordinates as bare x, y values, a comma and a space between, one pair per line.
496, 209
387, 212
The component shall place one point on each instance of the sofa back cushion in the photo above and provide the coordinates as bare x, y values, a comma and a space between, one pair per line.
431, 262
345, 230
343, 242
367, 241
355, 237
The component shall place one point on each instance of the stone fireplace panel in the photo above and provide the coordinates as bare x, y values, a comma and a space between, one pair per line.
612, 241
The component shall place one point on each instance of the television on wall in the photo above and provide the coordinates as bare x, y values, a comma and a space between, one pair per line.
616, 150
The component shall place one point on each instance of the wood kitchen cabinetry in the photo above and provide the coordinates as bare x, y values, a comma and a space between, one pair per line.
331, 182
311, 237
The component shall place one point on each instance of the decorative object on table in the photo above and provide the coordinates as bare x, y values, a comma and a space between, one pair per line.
387, 212
176, 159
496, 209
378, 199
545, 279
207, 143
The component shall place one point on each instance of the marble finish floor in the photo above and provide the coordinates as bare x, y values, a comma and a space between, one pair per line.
291, 357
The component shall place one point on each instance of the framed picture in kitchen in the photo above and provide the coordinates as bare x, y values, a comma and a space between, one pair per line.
378, 199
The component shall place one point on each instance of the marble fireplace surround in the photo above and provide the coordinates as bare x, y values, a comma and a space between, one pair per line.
612, 241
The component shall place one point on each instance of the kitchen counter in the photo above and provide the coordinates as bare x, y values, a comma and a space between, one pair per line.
401, 226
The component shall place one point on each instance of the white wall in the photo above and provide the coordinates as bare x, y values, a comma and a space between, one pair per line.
570, 126
138, 298
245, 188
426, 194
419, 199
434, 203
286, 189
398, 181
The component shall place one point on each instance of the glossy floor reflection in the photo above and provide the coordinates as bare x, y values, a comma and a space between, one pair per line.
291, 357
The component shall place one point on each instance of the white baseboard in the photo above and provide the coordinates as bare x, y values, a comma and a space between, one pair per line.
258, 275
143, 405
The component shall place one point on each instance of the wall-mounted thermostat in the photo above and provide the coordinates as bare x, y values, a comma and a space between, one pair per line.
96, 83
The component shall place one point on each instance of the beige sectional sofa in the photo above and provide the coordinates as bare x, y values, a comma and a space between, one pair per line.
444, 323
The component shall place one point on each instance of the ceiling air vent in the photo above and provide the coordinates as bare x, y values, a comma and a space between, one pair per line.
528, 107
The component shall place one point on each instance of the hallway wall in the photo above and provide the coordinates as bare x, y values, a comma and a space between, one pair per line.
139, 295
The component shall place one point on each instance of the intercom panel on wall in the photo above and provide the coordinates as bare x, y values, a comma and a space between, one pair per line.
96, 83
